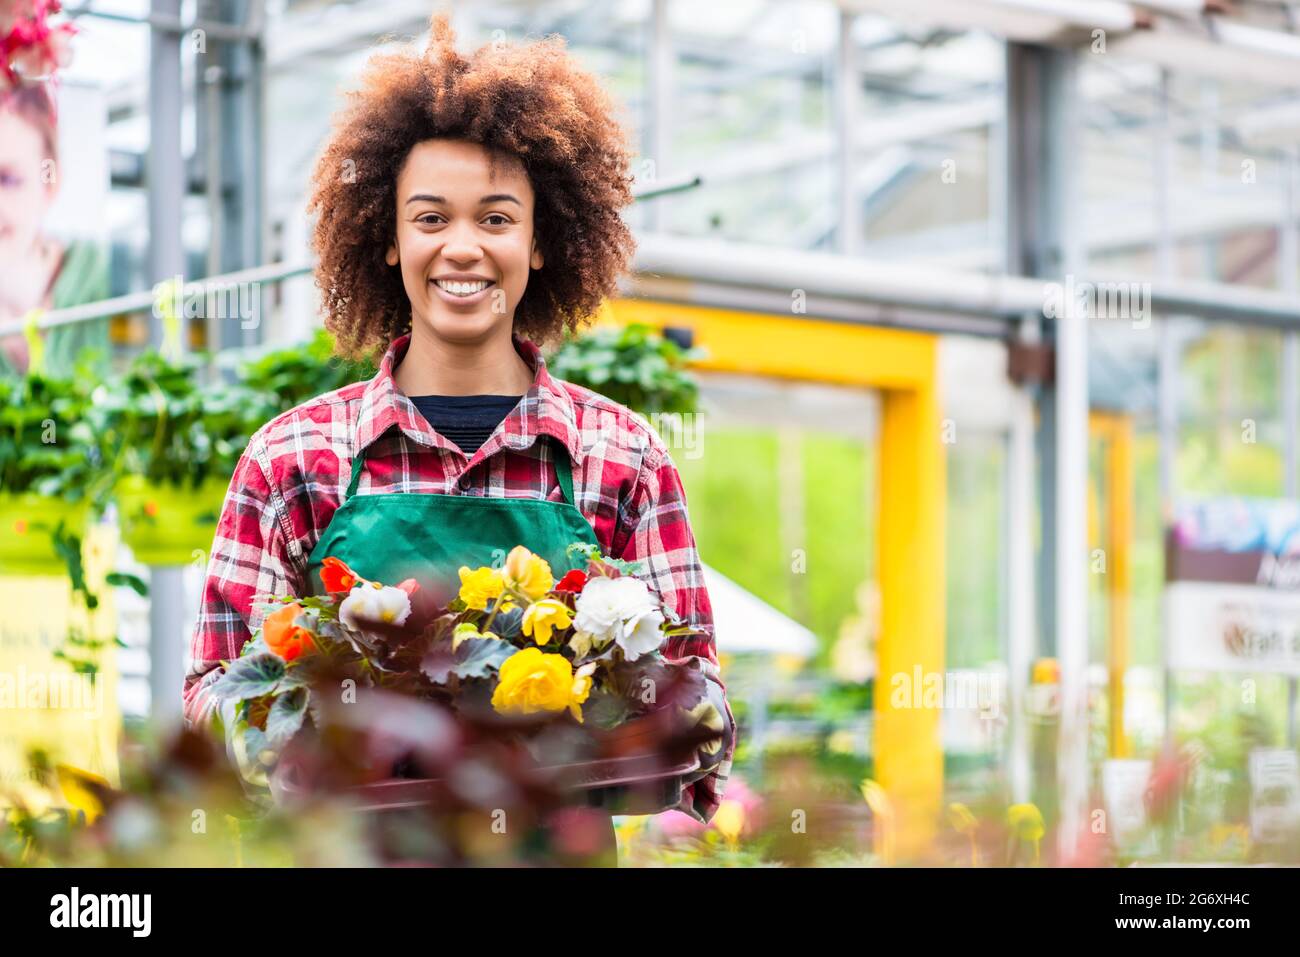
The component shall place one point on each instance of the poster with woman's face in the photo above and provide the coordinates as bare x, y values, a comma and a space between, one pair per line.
53, 185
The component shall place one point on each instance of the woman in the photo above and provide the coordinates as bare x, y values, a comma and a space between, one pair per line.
467, 207
36, 270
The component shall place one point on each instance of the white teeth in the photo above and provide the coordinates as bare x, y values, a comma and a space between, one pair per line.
462, 288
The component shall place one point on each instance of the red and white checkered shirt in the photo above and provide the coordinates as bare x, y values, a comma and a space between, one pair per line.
295, 472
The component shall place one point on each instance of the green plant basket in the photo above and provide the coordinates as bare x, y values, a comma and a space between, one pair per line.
27, 522
164, 524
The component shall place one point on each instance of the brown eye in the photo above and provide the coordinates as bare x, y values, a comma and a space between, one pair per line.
504, 220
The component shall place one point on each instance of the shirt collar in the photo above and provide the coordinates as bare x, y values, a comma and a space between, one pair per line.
545, 409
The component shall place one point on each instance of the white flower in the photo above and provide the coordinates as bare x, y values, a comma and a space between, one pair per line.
621, 610
375, 604
642, 635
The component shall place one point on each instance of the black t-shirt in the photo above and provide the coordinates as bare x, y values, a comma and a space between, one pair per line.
467, 420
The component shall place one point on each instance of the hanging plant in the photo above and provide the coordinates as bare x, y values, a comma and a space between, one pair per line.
173, 444
51, 471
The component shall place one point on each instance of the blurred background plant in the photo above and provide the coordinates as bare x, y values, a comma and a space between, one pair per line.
633, 364
292, 375
160, 421
47, 443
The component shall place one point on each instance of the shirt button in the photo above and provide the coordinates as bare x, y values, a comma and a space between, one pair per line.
464, 484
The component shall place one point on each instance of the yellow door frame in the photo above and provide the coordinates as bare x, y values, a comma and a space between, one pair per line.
1115, 431
903, 367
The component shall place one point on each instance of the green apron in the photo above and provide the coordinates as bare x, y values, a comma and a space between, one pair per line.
389, 537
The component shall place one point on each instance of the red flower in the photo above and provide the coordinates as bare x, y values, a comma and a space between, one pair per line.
336, 576
573, 581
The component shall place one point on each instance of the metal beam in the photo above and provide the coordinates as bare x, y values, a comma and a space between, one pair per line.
923, 286
166, 166
844, 92
1043, 240
659, 97
950, 293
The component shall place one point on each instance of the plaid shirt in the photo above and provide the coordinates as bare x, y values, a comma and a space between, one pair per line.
295, 472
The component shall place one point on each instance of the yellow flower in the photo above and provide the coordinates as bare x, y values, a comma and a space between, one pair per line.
544, 615
529, 573
1045, 671
1027, 821
533, 681
729, 820
78, 789
479, 585
581, 688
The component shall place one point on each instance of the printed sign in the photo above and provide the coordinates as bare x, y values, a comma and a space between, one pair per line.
1124, 784
1274, 794
1233, 592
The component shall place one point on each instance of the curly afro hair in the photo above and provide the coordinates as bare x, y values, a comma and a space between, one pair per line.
530, 101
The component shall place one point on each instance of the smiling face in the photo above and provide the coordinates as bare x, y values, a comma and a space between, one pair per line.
24, 193
464, 240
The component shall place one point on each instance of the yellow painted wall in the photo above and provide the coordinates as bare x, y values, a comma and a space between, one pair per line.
42, 702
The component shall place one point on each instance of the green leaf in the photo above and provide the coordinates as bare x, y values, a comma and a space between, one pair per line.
479, 657
252, 751
604, 709
250, 677
286, 717
133, 582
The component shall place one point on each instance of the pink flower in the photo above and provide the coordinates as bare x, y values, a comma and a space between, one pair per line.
29, 45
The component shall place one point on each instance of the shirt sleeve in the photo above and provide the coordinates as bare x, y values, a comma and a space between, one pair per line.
658, 534
251, 560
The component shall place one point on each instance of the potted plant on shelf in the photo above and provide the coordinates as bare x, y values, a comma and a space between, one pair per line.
291, 376
173, 444
51, 473
633, 364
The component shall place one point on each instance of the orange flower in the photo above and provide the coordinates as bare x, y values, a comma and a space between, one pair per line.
336, 576
283, 637
151, 509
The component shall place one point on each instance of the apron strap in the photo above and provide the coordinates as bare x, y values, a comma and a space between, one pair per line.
358, 463
563, 469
